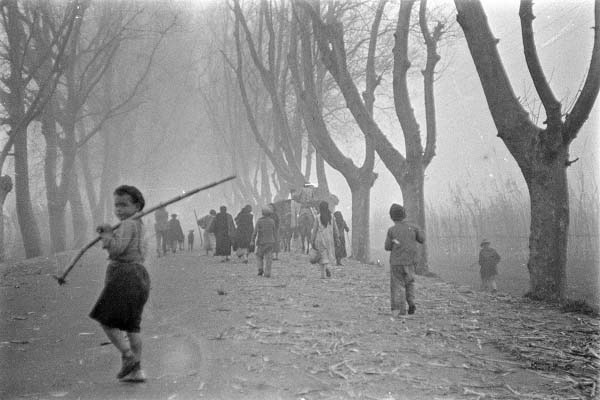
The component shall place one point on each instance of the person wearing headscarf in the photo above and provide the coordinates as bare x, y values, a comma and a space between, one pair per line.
224, 229
244, 222
323, 237
340, 248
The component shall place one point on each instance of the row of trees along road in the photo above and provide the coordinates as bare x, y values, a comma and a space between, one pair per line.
318, 42
324, 73
60, 81
292, 78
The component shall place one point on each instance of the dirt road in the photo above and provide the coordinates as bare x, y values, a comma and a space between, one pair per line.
215, 330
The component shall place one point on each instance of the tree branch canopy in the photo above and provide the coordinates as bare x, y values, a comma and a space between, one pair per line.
499, 94
551, 105
583, 106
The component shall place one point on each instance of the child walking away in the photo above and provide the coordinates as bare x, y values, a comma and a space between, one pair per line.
264, 235
401, 241
323, 238
191, 240
488, 260
127, 284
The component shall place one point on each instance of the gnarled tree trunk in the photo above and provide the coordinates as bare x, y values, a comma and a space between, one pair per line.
541, 153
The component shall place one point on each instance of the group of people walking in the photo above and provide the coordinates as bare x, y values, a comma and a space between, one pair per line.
126, 289
222, 233
169, 234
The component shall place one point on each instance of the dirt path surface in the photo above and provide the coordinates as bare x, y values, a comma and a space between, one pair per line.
215, 330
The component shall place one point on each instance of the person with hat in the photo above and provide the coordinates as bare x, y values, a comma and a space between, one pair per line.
175, 233
264, 239
488, 260
402, 242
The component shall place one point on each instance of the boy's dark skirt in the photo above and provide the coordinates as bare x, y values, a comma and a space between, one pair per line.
122, 300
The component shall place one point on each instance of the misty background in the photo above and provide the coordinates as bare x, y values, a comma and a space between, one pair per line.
176, 133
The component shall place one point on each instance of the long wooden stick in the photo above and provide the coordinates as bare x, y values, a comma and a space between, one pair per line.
61, 279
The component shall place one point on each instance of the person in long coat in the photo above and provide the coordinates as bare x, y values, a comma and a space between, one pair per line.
224, 229
243, 234
340, 248
175, 232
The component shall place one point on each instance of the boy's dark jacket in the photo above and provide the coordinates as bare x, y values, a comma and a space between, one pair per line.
405, 250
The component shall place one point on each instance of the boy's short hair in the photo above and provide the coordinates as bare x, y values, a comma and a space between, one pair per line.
397, 212
133, 192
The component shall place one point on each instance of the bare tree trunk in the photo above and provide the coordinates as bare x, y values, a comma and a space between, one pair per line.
413, 194
265, 186
321, 175
541, 153
56, 202
308, 162
80, 223
30, 232
361, 206
549, 196
5, 188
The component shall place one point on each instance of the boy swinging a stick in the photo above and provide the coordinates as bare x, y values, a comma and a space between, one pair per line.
127, 284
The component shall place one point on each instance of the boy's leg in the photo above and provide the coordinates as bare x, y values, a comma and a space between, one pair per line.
137, 374
397, 298
268, 262
493, 285
135, 341
485, 284
129, 359
116, 337
259, 261
409, 282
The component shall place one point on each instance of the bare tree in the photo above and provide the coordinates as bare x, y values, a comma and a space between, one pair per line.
31, 78
283, 154
310, 97
109, 110
542, 153
409, 169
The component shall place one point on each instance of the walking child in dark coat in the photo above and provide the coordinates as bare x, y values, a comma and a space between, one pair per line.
402, 242
127, 284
